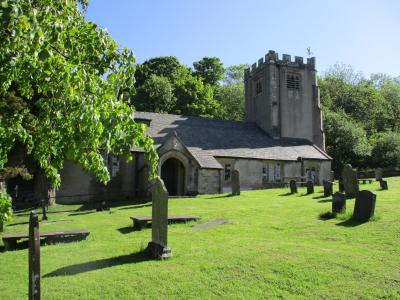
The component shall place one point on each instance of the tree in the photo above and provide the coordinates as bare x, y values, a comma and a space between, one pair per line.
346, 140
155, 95
386, 150
61, 89
209, 69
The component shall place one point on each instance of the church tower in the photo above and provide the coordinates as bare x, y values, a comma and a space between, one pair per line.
282, 97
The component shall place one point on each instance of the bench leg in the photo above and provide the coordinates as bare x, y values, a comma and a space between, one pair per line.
138, 225
9, 245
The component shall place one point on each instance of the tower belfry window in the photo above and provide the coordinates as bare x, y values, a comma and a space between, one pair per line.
258, 87
293, 81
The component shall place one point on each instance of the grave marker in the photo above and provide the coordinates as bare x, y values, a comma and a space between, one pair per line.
235, 182
293, 186
34, 257
378, 174
158, 246
44, 210
350, 181
384, 185
328, 188
364, 207
310, 187
338, 203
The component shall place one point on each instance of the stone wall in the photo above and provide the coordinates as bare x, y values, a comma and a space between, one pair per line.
209, 181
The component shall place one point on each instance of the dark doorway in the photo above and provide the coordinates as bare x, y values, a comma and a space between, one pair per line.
173, 175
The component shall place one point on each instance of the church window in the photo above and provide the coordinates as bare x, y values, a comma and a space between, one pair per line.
227, 172
258, 87
293, 81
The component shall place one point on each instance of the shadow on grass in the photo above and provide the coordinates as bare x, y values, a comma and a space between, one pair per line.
133, 258
320, 197
287, 194
127, 229
136, 206
46, 241
324, 201
81, 213
351, 223
15, 224
221, 196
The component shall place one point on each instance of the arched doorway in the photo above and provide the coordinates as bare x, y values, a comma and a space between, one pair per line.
173, 175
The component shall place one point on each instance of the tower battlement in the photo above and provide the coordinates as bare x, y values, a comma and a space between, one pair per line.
272, 57
282, 97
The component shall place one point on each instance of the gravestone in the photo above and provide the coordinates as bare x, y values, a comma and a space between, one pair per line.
310, 187
328, 188
378, 174
384, 185
364, 206
293, 186
34, 257
338, 203
350, 181
158, 246
44, 210
235, 182
341, 186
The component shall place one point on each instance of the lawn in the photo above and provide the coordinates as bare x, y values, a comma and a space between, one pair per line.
274, 246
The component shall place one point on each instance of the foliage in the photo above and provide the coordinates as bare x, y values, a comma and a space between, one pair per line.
209, 69
62, 81
6, 212
346, 140
155, 95
366, 112
386, 149
190, 95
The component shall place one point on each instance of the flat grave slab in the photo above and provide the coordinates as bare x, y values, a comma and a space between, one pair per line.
210, 224
10, 240
141, 221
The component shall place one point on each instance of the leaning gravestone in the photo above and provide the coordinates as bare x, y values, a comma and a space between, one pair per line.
158, 246
34, 257
364, 207
293, 186
378, 174
328, 188
338, 203
310, 187
350, 181
235, 181
384, 185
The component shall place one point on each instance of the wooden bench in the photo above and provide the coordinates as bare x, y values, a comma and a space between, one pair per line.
10, 240
140, 222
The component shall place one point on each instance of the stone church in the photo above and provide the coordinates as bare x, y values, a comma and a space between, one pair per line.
281, 138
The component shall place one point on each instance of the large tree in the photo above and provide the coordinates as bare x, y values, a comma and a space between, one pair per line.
209, 69
62, 81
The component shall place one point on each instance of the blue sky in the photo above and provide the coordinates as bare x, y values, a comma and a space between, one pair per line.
364, 34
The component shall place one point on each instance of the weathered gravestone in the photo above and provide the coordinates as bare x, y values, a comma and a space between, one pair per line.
384, 185
341, 186
44, 210
34, 257
328, 188
364, 206
350, 181
158, 246
293, 186
310, 187
338, 203
235, 181
378, 174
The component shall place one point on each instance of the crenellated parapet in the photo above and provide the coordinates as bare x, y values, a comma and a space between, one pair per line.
273, 58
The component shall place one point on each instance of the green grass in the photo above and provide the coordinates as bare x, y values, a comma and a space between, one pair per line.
275, 246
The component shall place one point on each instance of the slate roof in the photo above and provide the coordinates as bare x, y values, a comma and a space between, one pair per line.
206, 139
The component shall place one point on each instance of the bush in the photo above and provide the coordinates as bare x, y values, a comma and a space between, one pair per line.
6, 211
